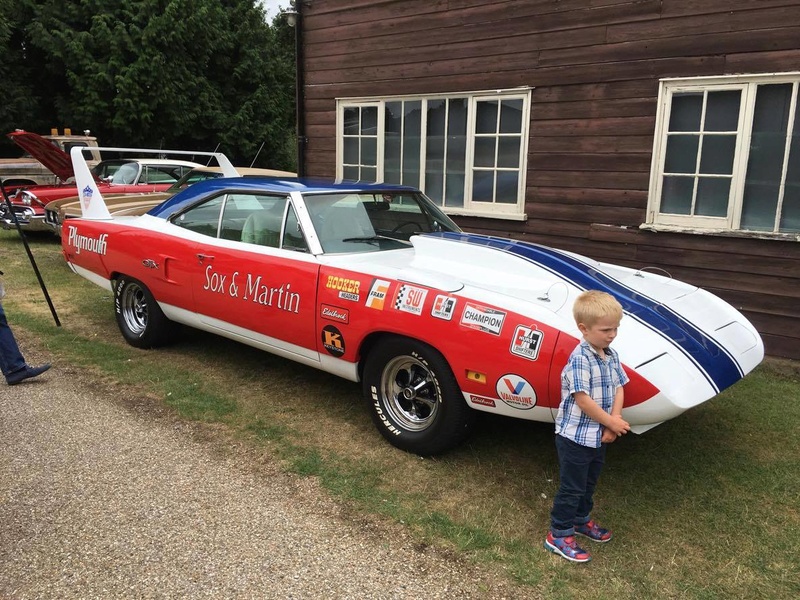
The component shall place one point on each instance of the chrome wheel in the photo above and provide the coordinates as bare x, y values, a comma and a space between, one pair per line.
133, 309
410, 394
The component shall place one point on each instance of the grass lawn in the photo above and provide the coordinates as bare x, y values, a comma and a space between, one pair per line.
704, 506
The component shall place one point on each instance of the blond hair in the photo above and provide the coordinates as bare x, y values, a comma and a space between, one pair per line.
593, 305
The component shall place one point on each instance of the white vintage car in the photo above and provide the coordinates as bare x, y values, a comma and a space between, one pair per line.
375, 284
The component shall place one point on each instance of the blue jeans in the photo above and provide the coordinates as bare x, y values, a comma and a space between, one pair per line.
11, 359
580, 468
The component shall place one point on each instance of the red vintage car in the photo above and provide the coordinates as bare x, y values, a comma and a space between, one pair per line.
119, 176
373, 283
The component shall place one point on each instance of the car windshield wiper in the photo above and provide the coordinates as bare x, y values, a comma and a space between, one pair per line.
375, 238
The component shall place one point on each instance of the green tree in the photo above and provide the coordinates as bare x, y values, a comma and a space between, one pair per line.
182, 74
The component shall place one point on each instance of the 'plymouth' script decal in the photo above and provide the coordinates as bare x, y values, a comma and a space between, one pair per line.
84, 242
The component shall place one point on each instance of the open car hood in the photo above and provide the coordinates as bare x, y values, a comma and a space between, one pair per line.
47, 153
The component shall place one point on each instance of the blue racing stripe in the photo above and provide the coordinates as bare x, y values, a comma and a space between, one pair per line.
713, 360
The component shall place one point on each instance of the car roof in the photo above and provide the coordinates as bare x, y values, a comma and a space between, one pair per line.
269, 185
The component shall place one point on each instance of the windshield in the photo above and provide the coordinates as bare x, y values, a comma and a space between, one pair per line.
370, 221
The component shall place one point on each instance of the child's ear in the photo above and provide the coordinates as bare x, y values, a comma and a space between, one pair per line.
583, 328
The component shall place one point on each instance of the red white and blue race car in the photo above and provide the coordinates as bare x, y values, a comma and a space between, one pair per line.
375, 284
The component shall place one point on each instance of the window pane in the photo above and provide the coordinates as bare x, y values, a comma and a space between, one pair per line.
293, 238
686, 111
457, 117
437, 115
717, 156
485, 151
369, 151
456, 165
202, 219
511, 116
434, 150
483, 186
350, 150
508, 157
369, 120
712, 196
455, 190
772, 108
507, 182
486, 119
765, 164
393, 117
681, 154
351, 121
760, 204
412, 126
676, 195
433, 188
790, 214
350, 173
369, 174
722, 111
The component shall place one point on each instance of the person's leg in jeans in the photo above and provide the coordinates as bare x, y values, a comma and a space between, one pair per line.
574, 462
11, 359
586, 503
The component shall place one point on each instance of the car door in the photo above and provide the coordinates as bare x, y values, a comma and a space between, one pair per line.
252, 277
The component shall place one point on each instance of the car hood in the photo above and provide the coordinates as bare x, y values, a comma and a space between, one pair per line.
43, 150
543, 283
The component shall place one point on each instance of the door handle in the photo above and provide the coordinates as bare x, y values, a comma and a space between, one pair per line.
202, 257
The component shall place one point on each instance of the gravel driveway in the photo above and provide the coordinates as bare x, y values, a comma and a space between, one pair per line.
102, 498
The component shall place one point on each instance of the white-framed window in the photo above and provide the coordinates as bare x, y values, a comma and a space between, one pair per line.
467, 152
726, 155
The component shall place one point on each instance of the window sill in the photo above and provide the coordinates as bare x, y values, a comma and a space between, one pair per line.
459, 212
761, 235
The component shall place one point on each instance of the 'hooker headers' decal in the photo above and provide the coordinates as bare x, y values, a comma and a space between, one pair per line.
483, 318
527, 342
349, 289
332, 340
516, 392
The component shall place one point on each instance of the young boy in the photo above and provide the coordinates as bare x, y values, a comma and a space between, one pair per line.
589, 417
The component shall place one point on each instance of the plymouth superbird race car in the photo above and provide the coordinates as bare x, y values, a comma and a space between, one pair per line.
374, 283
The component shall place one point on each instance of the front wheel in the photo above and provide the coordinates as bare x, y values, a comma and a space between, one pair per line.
414, 398
139, 317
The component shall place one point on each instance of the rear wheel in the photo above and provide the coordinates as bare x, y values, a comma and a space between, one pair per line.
414, 398
139, 317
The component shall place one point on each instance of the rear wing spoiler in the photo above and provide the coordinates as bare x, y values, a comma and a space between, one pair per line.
93, 206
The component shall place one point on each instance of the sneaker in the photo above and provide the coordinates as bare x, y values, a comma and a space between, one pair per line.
566, 547
594, 532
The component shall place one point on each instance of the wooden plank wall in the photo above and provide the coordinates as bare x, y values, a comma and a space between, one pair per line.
594, 66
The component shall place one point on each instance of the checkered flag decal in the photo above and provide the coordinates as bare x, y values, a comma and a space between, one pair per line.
401, 296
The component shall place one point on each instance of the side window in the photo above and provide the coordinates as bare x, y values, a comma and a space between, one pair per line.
293, 238
258, 219
203, 218
249, 218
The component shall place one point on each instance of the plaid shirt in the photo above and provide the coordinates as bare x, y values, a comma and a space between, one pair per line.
600, 378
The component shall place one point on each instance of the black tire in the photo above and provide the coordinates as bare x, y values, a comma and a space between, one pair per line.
139, 318
414, 399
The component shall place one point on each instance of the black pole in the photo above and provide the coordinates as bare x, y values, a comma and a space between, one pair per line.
30, 254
